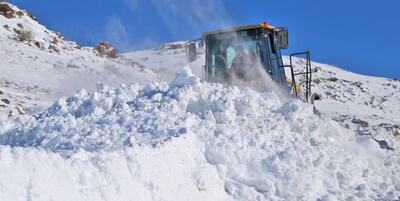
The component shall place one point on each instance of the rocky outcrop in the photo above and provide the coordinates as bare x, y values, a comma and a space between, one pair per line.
6, 10
23, 35
107, 50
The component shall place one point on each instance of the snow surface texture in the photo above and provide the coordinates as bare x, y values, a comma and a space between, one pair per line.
189, 141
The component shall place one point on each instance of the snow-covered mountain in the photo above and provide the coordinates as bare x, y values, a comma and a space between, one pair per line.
38, 66
164, 135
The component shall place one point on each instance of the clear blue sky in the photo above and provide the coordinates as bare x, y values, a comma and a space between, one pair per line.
359, 35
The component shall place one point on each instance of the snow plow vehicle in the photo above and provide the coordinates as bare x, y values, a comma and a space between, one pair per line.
237, 53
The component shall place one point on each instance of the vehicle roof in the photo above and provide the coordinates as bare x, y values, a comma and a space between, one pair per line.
231, 29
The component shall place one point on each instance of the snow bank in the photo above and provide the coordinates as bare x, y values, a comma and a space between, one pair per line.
189, 141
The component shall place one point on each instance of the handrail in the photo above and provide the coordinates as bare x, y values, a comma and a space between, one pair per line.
307, 73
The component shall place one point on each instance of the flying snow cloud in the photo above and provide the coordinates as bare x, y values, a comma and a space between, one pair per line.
191, 15
117, 33
177, 19
133, 4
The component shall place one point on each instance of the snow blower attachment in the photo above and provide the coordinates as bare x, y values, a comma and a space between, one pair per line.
234, 54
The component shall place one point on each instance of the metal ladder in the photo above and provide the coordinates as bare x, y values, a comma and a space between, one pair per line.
307, 74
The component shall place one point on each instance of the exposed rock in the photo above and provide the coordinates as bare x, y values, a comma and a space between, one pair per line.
20, 110
72, 65
20, 25
55, 40
54, 48
317, 81
6, 11
33, 17
106, 49
393, 129
360, 122
6, 27
19, 13
6, 101
39, 45
333, 79
23, 35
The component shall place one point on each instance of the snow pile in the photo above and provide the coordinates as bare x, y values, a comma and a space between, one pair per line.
189, 141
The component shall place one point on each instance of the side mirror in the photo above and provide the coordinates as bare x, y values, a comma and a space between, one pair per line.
191, 52
283, 36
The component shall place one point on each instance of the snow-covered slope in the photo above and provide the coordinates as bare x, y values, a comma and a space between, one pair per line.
38, 66
178, 138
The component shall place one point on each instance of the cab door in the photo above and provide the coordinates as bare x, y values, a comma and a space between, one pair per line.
274, 57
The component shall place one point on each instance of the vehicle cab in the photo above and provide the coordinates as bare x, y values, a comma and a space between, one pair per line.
261, 44
238, 54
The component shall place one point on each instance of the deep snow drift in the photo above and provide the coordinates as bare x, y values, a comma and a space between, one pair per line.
189, 141
186, 140
38, 71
